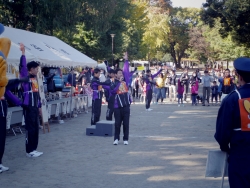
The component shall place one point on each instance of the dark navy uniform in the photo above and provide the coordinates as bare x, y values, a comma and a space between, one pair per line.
230, 136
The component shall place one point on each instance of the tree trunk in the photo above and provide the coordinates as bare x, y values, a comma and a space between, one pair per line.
227, 64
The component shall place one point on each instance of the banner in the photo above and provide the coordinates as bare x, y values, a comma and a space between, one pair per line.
40, 79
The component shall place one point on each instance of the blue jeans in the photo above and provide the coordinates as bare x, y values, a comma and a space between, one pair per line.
193, 96
161, 93
180, 98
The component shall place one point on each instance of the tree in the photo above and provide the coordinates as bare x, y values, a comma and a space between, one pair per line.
199, 48
234, 18
136, 26
182, 20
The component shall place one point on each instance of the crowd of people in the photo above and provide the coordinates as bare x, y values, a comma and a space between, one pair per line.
121, 87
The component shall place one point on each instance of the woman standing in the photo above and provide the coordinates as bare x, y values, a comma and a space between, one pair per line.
160, 82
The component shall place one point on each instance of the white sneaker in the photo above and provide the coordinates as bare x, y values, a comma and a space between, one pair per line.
33, 154
40, 153
3, 168
179, 105
150, 109
116, 142
125, 142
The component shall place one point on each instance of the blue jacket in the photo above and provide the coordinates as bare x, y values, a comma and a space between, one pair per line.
234, 142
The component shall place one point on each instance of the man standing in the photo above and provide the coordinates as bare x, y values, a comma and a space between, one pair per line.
206, 82
97, 97
233, 127
227, 84
31, 104
109, 97
185, 82
72, 80
172, 86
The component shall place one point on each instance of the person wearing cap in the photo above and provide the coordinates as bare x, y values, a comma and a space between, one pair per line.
233, 127
31, 104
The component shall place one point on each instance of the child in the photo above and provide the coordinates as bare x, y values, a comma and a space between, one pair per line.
194, 88
180, 92
215, 89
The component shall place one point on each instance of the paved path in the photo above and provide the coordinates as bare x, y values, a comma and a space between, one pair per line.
167, 149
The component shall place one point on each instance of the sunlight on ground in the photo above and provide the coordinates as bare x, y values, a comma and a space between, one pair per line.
198, 116
174, 177
158, 138
189, 112
137, 171
181, 157
186, 163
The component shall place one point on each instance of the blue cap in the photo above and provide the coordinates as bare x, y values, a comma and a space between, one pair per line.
242, 64
1, 29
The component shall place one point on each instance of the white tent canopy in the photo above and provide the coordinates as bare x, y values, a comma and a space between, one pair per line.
48, 50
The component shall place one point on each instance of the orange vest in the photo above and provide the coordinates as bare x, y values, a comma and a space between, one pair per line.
244, 105
227, 81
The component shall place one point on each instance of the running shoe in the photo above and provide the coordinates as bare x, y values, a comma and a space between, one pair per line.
33, 154
40, 153
3, 168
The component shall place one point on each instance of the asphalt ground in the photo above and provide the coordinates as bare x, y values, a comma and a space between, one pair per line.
167, 148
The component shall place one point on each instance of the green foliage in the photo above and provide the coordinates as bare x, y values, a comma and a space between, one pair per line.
234, 17
146, 29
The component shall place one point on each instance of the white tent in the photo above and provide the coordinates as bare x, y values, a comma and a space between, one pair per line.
48, 50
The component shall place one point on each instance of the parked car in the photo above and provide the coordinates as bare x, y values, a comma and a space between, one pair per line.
58, 78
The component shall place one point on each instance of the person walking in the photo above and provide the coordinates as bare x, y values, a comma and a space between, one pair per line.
233, 130
206, 82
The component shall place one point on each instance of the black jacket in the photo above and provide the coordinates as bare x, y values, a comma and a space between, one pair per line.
51, 87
